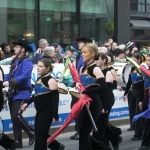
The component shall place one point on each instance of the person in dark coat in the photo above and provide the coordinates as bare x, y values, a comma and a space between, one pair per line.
18, 82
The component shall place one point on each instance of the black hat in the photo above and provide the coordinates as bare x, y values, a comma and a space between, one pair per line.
23, 43
84, 39
70, 48
118, 52
55, 45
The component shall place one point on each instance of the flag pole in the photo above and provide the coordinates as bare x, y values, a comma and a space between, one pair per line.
92, 120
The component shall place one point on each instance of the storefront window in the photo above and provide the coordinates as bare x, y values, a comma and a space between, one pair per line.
17, 20
58, 21
97, 19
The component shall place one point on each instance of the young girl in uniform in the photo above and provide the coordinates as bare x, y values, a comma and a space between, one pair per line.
46, 100
93, 80
145, 107
137, 93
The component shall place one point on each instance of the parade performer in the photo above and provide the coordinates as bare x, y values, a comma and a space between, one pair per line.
105, 97
140, 68
137, 91
5, 141
19, 83
79, 63
105, 133
145, 107
93, 80
46, 100
111, 131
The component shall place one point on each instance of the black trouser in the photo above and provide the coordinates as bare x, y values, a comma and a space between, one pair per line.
6, 142
101, 124
74, 100
112, 134
135, 99
19, 123
98, 145
43, 122
146, 134
106, 131
85, 125
132, 107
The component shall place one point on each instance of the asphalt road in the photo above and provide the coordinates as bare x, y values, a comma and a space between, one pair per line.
126, 144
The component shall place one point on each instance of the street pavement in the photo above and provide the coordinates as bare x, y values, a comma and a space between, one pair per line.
126, 144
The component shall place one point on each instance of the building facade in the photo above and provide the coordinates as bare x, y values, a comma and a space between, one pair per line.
64, 20
56, 20
140, 22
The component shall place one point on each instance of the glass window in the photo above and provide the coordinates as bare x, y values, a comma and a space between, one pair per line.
141, 7
138, 5
141, 1
58, 21
147, 1
147, 8
17, 20
97, 19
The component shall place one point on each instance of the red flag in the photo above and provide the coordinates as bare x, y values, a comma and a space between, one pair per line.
77, 107
143, 69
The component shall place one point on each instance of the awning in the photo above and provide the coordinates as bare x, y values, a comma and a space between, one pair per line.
139, 24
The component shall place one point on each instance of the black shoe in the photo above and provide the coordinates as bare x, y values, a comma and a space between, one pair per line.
73, 136
144, 148
115, 147
77, 136
135, 138
131, 129
61, 147
31, 140
18, 145
13, 147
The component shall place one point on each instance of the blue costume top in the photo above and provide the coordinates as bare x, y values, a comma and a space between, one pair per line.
40, 89
87, 80
146, 83
20, 77
135, 77
145, 114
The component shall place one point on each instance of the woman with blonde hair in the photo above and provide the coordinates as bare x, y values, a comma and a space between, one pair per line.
93, 80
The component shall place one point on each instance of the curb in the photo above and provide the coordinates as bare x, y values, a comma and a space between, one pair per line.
71, 128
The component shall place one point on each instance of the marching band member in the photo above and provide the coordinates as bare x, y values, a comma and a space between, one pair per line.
19, 83
137, 95
79, 63
46, 100
93, 80
145, 107
105, 129
105, 97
